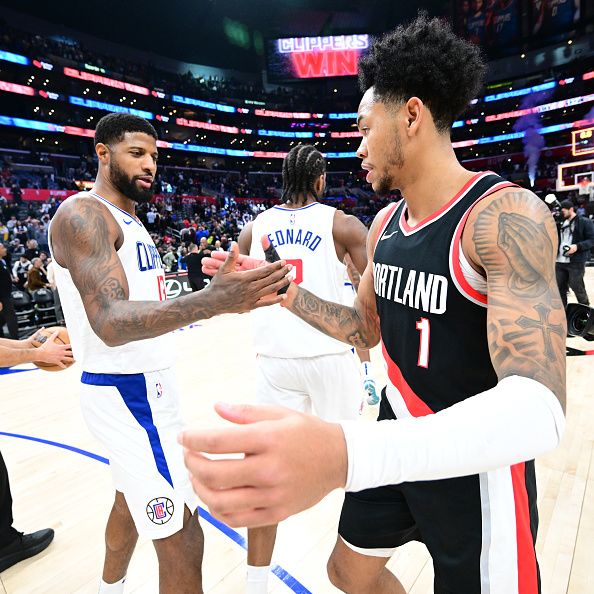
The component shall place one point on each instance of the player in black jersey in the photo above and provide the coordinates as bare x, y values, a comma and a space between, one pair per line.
460, 289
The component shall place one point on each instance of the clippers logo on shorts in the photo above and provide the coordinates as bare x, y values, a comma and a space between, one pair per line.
160, 510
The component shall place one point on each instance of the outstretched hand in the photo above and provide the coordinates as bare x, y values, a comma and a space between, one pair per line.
211, 265
290, 462
239, 287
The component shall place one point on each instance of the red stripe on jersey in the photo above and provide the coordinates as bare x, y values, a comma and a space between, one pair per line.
527, 571
404, 223
385, 222
455, 251
416, 407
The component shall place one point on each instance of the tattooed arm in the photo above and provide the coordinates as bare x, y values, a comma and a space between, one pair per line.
85, 237
357, 325
512, 237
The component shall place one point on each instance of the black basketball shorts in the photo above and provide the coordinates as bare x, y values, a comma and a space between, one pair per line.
480, 530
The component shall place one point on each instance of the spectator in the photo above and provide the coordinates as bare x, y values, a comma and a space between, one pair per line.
20, 271
32, 250
576, 239
36, 276
170, 260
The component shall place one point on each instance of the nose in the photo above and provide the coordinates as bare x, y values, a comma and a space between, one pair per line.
149, 165
362, 150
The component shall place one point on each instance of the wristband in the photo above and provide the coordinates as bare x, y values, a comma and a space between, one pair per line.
271, 255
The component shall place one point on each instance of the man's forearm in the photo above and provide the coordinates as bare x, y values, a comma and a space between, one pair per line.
121, 321
14, 344
338, 321
14, 356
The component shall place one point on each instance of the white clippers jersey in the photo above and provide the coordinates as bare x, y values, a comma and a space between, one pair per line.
146, 281
303, 237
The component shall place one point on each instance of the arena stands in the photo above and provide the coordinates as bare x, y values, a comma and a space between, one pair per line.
222, 139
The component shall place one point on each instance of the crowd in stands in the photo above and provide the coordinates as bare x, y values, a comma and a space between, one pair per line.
211, 87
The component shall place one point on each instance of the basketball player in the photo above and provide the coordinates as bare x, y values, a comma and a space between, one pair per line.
111, 282
461, 292
298, 366
16, 546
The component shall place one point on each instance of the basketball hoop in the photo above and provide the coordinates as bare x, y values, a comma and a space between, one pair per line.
586, 188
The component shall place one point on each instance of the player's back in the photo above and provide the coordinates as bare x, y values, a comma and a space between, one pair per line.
146, 282
302, 236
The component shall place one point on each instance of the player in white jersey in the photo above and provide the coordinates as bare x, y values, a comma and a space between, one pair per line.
112, 285
297, 366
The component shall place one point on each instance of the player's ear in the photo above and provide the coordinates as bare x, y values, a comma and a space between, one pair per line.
102, 151
414, 111
320, 184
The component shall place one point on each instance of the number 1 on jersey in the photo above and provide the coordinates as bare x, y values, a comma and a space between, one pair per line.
424, 329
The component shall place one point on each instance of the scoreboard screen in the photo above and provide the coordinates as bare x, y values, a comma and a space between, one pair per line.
295, 58
582, 142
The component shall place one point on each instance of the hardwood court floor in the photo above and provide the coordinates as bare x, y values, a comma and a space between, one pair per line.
72, 493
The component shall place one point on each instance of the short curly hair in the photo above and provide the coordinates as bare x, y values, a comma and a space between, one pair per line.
424, 59
112, 127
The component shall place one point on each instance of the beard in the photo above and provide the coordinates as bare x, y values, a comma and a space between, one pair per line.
386, 183
127, 185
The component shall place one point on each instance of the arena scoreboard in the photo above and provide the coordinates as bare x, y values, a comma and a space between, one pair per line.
295, 58
582, 142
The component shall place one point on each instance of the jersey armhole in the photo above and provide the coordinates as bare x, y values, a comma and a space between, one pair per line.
457, 251
388, 216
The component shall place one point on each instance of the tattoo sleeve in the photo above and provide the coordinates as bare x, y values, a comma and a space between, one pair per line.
357, 326
84, 242
515, 240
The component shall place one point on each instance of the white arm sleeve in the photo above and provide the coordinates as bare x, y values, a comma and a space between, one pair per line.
515, 421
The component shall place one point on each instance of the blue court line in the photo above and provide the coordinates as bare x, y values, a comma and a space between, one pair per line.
285, 577
9, 370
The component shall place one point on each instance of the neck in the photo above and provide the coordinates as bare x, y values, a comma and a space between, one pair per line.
299, 202
107, 190
434, 180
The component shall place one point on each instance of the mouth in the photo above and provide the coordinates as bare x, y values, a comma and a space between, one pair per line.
145, 181
369, 170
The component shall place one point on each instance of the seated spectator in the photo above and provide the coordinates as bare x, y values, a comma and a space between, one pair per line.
36, 276
32, 250
20, 271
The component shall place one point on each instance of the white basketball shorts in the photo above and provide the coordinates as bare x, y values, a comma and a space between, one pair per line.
137, 419
329, 384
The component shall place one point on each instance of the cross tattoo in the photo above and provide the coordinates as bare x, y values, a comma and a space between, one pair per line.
543, 325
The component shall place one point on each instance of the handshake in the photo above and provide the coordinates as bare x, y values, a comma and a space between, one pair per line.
211, 265
580, 320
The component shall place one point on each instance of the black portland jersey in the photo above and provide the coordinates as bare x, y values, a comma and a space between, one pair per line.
433, 323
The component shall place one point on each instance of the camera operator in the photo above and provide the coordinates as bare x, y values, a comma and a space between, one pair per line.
576, 239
